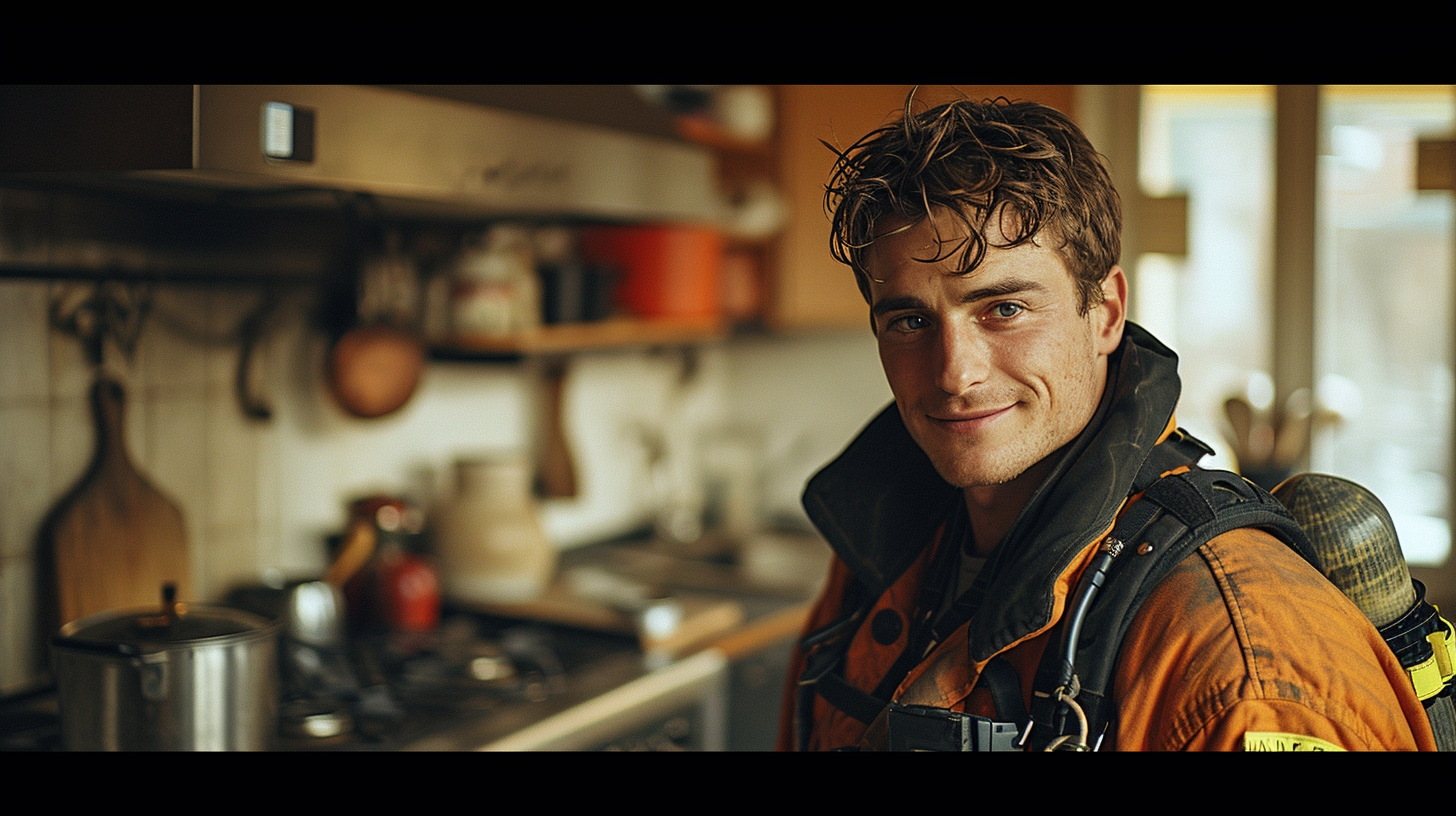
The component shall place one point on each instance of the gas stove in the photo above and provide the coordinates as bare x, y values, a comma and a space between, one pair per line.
486, 681
387, 691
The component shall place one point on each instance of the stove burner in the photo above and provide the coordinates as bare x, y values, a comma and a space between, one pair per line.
399, 688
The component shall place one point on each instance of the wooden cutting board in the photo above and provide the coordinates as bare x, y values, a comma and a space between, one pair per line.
116, 539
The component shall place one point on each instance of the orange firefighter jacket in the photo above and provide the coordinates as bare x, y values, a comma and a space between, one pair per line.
1244, 646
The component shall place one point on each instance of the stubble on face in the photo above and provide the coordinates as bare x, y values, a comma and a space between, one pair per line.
995, 370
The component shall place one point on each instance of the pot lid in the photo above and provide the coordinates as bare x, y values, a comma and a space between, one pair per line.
145, 629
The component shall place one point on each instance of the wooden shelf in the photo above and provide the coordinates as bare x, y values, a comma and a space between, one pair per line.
565, 338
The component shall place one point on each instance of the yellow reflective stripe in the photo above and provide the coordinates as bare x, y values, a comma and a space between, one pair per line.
1432, 675
1444, 647
1282, 741
1426, 677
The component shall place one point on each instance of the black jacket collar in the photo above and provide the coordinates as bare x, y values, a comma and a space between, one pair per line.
880, 502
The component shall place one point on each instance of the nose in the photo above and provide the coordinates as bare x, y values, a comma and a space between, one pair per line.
965, 360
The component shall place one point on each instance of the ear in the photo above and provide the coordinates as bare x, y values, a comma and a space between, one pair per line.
1109, 316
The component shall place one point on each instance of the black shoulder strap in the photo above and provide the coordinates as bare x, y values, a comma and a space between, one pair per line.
1176, 515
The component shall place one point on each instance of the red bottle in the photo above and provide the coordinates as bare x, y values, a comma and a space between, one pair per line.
398, 590
408, 592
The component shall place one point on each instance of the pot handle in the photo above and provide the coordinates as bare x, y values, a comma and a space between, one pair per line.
151, 666
110, 648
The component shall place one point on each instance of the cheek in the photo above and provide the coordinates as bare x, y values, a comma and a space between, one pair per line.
901, 368
1059, 367
1084, 374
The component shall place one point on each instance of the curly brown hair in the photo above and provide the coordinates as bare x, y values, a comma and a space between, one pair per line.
1025, 163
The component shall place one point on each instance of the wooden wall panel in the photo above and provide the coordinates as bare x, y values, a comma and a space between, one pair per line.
812, 290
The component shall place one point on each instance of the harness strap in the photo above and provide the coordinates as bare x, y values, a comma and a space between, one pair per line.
1180, 449
857, 703
1177, 514
1004, 684
823, 650
825, 665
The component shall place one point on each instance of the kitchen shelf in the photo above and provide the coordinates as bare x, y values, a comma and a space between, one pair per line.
704, 132
565, 338
196, 276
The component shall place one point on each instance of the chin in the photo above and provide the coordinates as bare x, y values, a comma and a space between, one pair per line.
963, 472
962, 479
982, 465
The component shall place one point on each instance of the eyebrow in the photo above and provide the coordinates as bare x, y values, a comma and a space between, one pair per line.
1001, 288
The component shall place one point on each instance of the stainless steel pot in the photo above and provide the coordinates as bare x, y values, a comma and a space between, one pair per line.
199, 679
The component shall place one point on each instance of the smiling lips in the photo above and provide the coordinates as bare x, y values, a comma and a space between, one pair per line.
968, 421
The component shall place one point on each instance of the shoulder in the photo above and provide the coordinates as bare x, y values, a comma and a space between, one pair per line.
1246, 636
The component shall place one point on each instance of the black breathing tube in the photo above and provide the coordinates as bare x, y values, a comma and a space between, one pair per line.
1066, 688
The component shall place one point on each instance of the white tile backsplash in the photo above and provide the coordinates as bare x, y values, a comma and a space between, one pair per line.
69, 369
21, 644
228, 556
231, 454
807, 397
177, 462
25, 465
24, 375
172, 353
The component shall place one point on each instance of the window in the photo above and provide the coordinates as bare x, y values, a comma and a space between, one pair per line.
1383, 301
1383, 306
1213, 144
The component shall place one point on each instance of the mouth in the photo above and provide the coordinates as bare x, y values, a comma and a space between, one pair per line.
970, 421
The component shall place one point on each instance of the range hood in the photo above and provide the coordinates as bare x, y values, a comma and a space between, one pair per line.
420, 153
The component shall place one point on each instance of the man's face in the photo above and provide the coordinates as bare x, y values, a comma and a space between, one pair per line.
992, 371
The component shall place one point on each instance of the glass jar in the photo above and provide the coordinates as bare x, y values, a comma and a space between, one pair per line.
494, 290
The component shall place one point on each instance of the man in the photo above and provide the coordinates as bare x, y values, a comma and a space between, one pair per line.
985, 239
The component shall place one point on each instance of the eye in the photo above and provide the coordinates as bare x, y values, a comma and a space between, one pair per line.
1005, 311
909, 323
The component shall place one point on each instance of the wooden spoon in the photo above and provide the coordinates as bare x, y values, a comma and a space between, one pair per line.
357, 549
1240, 415
556, 472
1294, 424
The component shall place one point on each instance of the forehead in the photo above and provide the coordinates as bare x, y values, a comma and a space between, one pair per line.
941, 245
899, 242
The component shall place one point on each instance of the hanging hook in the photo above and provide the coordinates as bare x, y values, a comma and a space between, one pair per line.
111, 310
250, 334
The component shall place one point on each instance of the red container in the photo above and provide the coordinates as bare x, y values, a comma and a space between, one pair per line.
409, 592
666, 270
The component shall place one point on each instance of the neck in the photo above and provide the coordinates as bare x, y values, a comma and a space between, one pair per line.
993, 508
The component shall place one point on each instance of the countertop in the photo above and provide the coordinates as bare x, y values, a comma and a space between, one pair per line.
769, 587
766, 589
